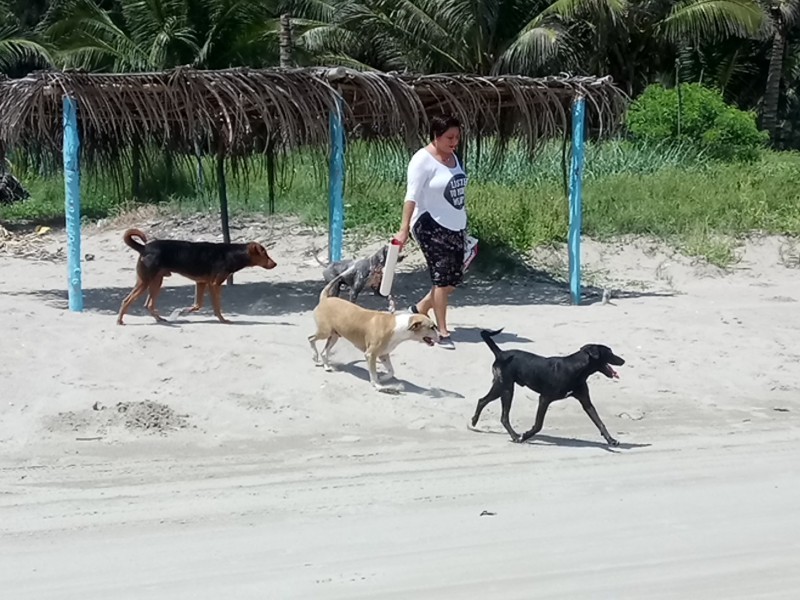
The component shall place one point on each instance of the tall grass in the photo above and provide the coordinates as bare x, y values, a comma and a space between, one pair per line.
670, 192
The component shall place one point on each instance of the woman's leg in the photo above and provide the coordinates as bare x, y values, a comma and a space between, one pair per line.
440, 298
425, 235
443, 251
425, 305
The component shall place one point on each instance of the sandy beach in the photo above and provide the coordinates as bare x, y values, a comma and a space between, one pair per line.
201, 460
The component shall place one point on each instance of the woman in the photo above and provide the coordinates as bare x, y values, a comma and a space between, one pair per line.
435, 214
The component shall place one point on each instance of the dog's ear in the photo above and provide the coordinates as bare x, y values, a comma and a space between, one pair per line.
256, 249
375, 279
592, 350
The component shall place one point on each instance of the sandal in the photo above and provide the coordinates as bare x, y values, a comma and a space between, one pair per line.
447, 343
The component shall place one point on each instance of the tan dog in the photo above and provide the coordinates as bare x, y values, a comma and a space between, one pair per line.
373, 332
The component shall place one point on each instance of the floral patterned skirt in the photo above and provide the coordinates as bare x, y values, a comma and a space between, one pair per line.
443, 249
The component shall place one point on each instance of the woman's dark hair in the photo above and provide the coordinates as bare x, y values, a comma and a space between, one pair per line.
441, 123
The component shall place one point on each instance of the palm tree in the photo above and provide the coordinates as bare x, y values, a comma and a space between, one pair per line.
236, 33
136, 35
482, 37
637, 42
783, 14
18, 50
322, 40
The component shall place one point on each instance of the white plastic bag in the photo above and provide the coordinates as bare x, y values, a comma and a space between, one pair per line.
470, 250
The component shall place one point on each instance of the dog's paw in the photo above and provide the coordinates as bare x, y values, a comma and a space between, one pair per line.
612, 442
328, 368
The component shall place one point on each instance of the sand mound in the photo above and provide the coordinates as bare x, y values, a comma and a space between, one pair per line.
146, 417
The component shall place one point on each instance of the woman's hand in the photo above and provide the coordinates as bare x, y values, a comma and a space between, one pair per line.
405, 223
402, 236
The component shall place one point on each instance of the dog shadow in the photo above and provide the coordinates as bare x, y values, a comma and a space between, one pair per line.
553, 440
353, 368
542, 439
472, 335
232, 321
182, 321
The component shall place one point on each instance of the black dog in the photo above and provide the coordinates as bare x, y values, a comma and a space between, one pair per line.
553, 378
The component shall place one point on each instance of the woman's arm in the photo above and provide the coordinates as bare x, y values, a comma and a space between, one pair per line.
417, 178
405, 223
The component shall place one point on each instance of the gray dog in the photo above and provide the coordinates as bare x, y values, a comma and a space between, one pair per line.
357, 273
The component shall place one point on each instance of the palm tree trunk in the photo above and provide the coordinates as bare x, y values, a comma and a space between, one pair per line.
169, 167
201, 176
223, 201
772, 93
136, 169
286, 40
286, 62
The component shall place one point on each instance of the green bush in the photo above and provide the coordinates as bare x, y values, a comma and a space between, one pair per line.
702, 118
735, 136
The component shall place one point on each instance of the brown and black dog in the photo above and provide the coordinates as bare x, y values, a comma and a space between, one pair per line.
208, 264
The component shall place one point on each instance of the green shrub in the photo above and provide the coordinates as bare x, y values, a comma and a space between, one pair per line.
734, 136
702, 118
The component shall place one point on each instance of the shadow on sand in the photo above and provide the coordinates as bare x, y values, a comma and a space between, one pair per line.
542, 439
358, 369
519, 286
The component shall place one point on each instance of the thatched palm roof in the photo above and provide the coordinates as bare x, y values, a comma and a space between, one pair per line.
236, 111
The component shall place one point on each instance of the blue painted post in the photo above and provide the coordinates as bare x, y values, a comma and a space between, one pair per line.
576, 199
72, 203
336, 191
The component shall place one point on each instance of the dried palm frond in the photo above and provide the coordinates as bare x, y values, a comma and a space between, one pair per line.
238, 112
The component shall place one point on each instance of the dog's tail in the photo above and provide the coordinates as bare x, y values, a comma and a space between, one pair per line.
128, 236
332, 284
487, 336
316, 258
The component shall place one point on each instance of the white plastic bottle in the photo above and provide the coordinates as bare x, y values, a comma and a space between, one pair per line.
388, 268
